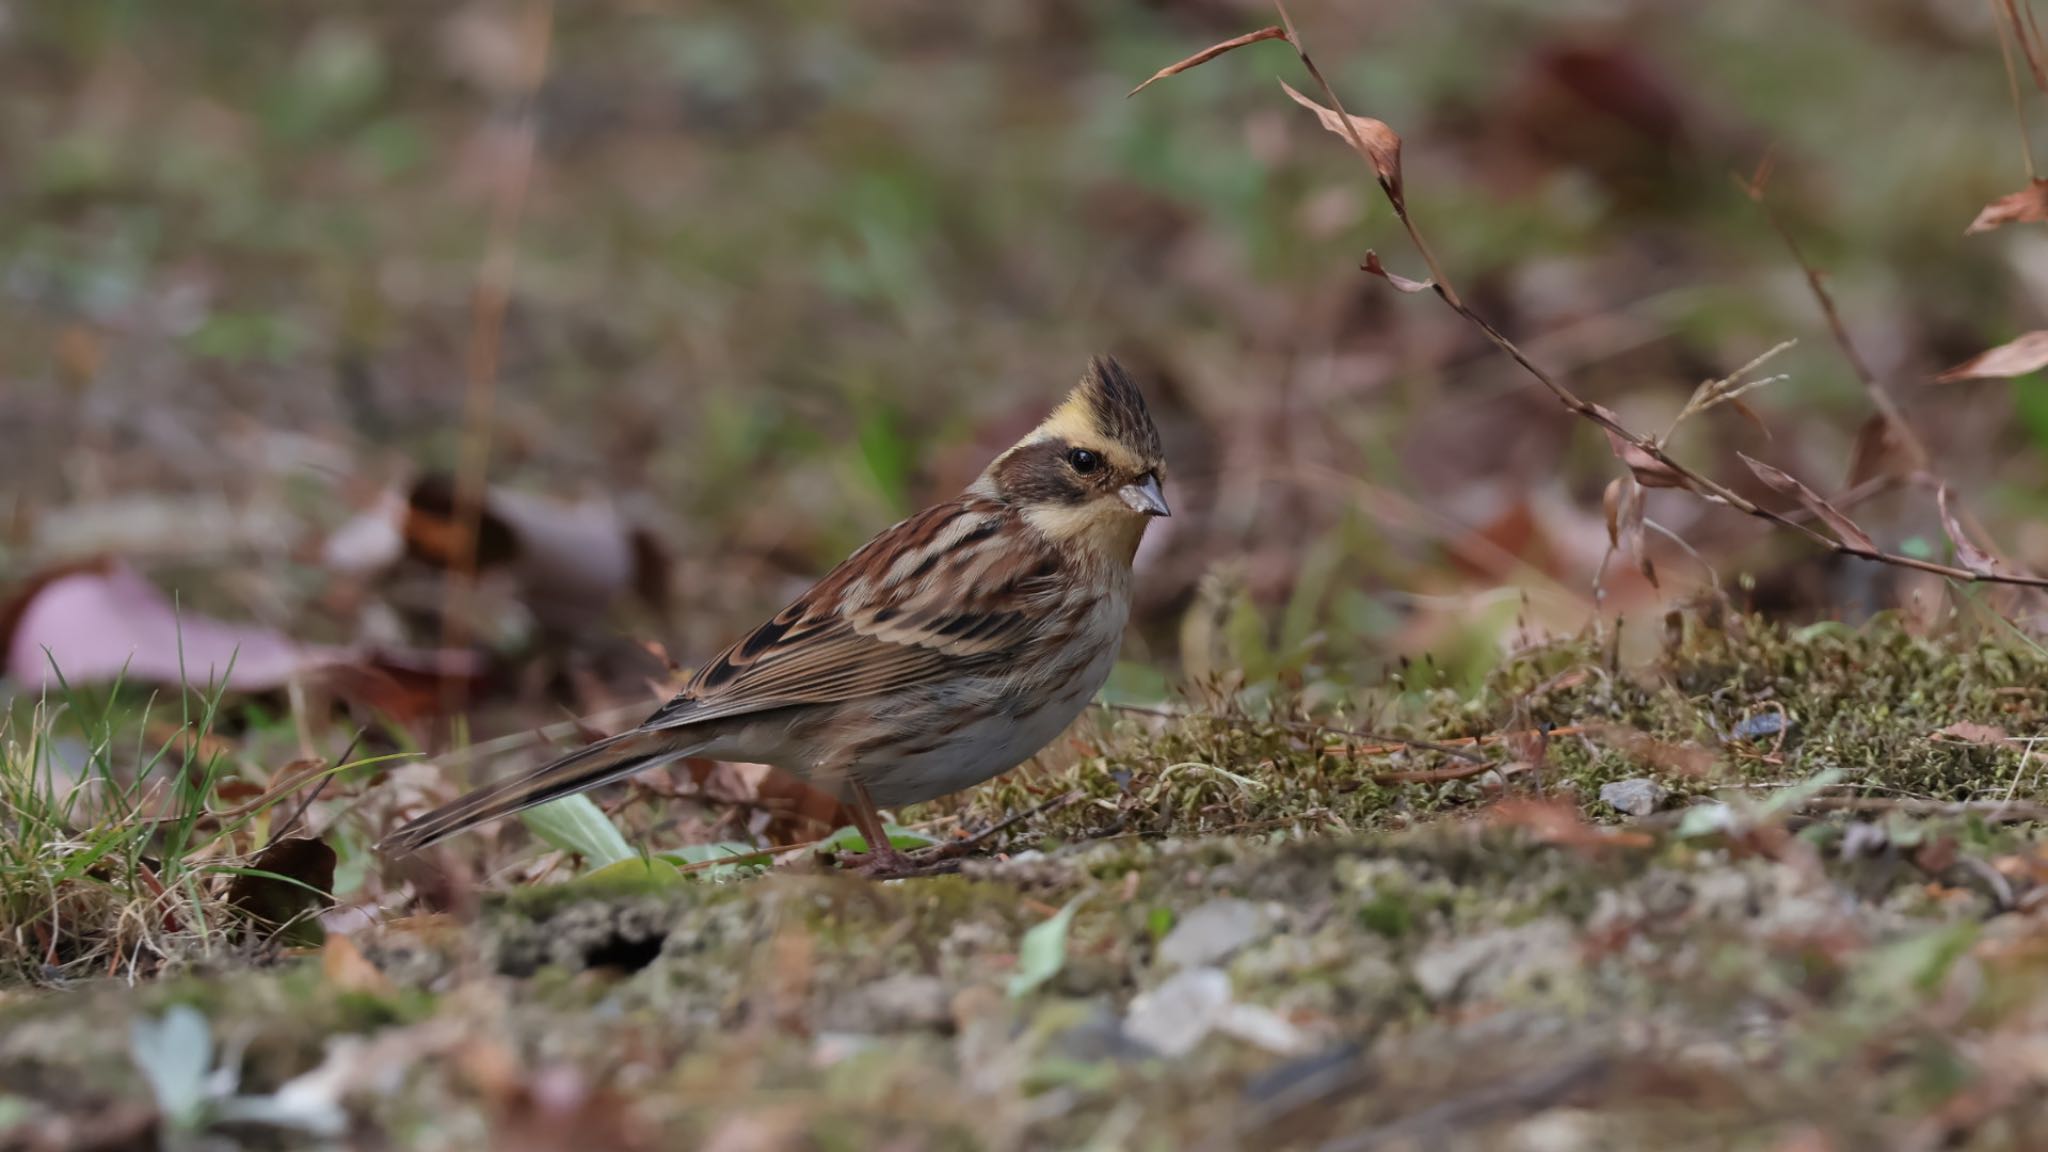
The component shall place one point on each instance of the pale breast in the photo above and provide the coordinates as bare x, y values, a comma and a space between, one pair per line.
959, 735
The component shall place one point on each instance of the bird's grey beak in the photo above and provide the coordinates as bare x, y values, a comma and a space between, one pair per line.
1145, 496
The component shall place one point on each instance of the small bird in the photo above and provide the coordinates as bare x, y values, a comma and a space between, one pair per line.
945, 651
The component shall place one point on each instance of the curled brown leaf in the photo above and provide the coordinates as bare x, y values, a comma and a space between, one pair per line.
2025, 206
2018, 357
1210, 53
1968, 554
1380, 144
1623, 502
1782, 483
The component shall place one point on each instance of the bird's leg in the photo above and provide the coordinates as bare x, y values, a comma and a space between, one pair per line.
881, 859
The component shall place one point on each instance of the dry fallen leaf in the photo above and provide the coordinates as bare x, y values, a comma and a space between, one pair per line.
1210, 53
1969, 733
2025, 206
1782, 483
346, 969
1380, 144
288, 879
1649, 471
1550, 822
2027, 354
100, 621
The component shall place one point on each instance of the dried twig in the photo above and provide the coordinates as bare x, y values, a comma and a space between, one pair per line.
1642, 453
487, 322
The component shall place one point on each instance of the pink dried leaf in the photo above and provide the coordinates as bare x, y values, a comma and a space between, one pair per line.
1381, 144
2027, 354
1401, 283
1782, 483
1210, 53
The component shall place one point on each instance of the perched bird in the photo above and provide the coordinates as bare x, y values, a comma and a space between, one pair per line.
947, 650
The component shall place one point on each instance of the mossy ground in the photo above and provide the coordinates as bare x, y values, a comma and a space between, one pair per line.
1362, 963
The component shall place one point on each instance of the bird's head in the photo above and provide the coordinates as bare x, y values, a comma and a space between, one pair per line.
1093, 473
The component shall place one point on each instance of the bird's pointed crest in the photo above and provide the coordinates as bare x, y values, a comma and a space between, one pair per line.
1108, 402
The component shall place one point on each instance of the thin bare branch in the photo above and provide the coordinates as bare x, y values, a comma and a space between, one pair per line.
1704, 486
2012, 84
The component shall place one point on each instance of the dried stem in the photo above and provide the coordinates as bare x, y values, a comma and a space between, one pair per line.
1395, 195
487, 323
1916, 449
1699, 484
2012, 81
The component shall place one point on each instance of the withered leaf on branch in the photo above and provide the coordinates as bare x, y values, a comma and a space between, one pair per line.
2027, 354
1968, 554
1650, 471
1210, 53
1401, 283
2025, 206
1382, 144
1782, 483
1623, 502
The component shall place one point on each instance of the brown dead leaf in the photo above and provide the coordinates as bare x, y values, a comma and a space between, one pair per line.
1649, 471
1550, 822
1379, 144
1689, 760
2027, 354
288, 879
800, 812
570, 561
1969, 733
346, 969
1624, 506
1968, 554
1782, 483
2025, 206
1401, 283
1210, 53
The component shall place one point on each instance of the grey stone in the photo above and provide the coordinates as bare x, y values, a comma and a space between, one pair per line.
1174, 1017
1637, 797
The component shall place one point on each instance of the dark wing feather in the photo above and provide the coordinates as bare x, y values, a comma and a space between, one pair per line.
946, 592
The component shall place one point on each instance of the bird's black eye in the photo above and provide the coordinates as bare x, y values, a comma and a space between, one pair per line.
1084, 461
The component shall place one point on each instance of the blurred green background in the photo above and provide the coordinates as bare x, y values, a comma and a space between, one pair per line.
781, 272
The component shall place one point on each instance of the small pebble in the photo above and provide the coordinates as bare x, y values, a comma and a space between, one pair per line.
1638, 797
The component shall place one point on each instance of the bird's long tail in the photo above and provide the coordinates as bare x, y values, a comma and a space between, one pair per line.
586, 768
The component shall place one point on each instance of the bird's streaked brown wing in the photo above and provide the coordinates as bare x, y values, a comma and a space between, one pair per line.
944, 592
